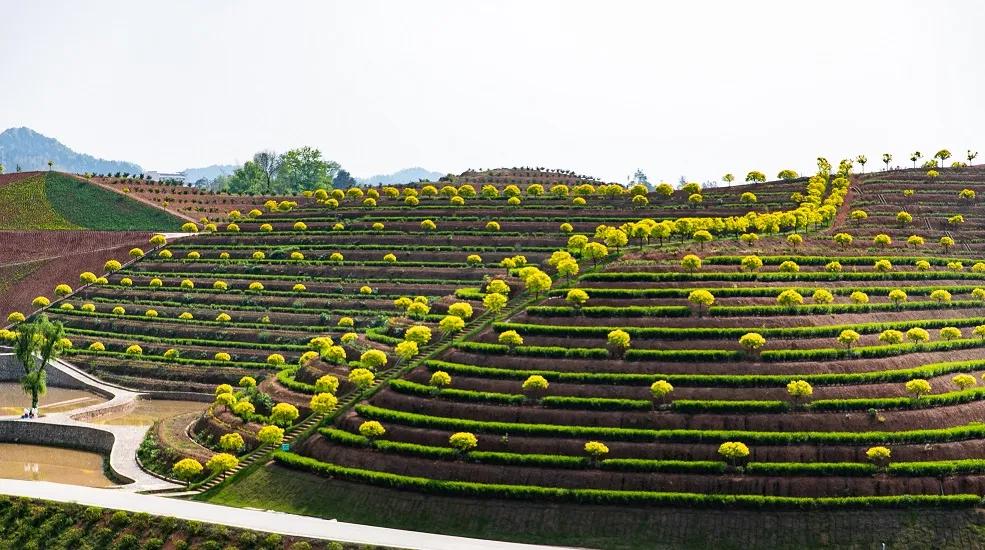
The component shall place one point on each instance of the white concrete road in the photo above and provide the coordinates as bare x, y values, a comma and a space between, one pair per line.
273, 522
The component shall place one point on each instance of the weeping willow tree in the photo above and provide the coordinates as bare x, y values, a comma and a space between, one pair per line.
38, 342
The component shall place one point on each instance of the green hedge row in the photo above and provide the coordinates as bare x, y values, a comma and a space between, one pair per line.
342, 264
859, 404
957, 433
533, 351
341, 293
295, 278
713, 380
844, 260
286, 378
470, 293
656, 277
186, 341
933, 400
163, 360
374, 335
358, 314
678, 333
760, 292
721, 406
610, 311
291, 244
825, 309
869, 352
846, 469
553, 401
734, 311
599, 496
191, 322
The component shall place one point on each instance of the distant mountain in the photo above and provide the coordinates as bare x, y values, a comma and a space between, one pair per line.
407, 175
32, 151
209, 172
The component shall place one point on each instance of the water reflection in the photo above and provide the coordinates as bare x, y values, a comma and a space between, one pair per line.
40, 463
13, 400
149, 411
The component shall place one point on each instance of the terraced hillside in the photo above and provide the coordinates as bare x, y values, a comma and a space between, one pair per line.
52, 200
34, 262
527, 335
190, 203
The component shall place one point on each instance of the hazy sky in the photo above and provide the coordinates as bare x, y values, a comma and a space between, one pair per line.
602, 87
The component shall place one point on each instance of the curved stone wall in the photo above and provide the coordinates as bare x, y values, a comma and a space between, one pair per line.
83, 438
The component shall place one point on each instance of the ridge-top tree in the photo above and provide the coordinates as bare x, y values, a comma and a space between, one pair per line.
755, 176
268, 162
943, 155
917, 155
38, 343
861, 160
886, 159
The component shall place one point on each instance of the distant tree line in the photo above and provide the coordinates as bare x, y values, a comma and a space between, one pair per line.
269, 173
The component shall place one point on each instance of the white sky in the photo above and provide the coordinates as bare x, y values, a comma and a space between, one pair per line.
691, 88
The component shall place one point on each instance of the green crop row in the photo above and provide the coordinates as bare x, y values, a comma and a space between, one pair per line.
695, 406
868, 352
291, 244
844, 260
165, 360
533, 351
679, 333
286, 378
553, 401
714, 380
342, 264
819, 354
186, 341
245, 292
760, 292
744, 311
735, 276
293, 278
470, 293
826, 309
937, 435
851, 469
601, 496
189, 322
933, 400
358, 314
610, 311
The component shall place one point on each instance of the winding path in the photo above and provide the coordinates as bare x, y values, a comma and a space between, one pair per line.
260, 520
126, 439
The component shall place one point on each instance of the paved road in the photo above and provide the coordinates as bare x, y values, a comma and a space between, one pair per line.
273, 522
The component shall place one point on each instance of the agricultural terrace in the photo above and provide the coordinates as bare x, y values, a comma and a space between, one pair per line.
34, 262
330, 295
666, 372
562, 340
188, 203
53, 200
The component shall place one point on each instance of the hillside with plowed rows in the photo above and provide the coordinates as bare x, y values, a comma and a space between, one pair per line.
542, 338
53, 200
188, 203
